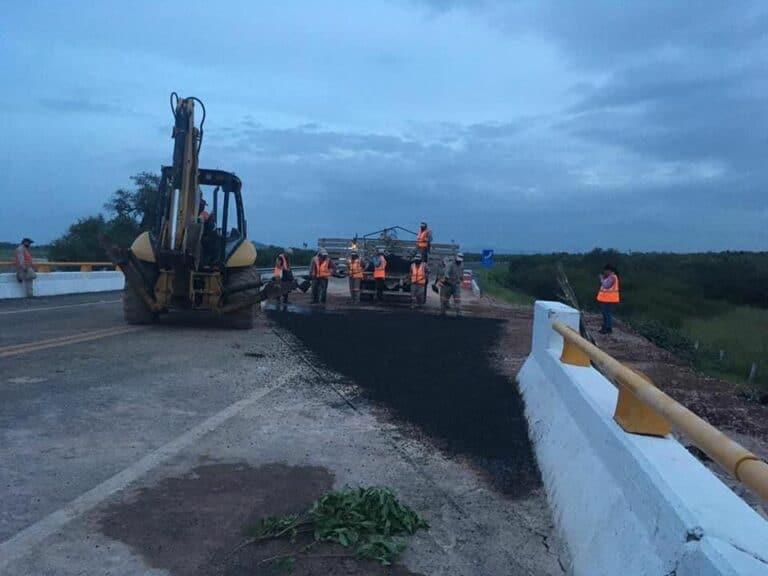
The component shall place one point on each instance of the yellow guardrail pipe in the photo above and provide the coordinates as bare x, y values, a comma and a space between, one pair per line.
658, 411
46, 266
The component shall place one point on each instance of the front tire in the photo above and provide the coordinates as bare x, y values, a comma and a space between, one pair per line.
242, 318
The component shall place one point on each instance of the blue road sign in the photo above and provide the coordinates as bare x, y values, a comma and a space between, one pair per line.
487, 259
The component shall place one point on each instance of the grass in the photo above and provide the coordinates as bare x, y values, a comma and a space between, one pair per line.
741, 332
489, 280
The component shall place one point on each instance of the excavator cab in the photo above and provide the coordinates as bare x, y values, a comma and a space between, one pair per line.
192, 259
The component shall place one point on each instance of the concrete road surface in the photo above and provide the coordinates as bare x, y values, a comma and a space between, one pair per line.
149, 450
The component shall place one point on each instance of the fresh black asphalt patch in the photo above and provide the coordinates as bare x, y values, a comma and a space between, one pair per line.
435, 373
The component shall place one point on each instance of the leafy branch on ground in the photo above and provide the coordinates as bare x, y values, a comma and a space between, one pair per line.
369, 521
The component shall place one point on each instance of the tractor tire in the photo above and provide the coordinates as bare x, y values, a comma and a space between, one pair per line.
135, 310
242, 319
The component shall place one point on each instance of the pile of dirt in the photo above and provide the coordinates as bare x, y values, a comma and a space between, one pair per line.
434, 373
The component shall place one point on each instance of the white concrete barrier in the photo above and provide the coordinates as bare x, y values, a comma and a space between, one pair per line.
626, 504
54, 283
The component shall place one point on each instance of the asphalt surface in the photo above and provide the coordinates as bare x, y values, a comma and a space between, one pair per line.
151, 449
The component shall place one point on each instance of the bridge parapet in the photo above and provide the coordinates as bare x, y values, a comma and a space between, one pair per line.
626, 503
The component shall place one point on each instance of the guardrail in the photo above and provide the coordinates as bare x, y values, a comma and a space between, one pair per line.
46, 266
644, 409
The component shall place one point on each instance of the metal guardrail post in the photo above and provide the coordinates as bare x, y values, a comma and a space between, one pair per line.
644, 409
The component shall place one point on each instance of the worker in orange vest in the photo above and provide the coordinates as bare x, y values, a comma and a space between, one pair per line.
608, 296
424, 241
320, 271
283, 277
25, 269
379, 273
419, 278
355, 273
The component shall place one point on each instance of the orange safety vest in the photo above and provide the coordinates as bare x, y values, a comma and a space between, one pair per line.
610, 295
355, 268
27, 263
422, 240
282, 264
323, 268
418, 273
381, 270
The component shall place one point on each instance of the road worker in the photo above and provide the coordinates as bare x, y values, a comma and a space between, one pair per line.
419, 278
355, 273
25, 269
283, 276
608, 296
202, 212
424, 242
450, 283
379, 273
320, 271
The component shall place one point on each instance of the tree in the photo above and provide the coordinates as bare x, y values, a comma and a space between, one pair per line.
139, 204
133, 211
81, 242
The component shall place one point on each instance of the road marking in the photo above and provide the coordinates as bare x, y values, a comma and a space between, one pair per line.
28, 347
20, 544
44, 308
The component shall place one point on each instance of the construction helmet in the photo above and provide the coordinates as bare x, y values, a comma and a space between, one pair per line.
380, 250
323, 252
417, 257
460, 256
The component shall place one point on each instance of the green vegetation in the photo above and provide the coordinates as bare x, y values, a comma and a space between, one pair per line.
491, 282
132, 211
369, 521
718, 300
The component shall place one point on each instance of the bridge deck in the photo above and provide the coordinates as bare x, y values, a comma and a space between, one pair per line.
125, 451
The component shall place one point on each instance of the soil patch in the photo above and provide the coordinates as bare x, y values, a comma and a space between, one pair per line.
435, 373
190, 525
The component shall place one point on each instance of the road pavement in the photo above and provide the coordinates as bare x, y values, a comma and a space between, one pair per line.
148, 450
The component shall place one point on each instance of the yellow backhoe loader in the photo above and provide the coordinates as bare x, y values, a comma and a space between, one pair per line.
195, 257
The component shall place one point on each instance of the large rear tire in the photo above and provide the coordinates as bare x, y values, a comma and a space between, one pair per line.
242, 318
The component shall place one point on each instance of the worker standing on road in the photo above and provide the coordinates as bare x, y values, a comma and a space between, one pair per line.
608, 296
379, 273
424, 242
355, 273
450, 283
320, 271
419, 278
25, 269
283, 276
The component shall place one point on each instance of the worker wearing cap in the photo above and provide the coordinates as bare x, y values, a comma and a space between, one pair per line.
25, 269
379, 273
450, 283
320, 271
355, 273
424, 241
283, 276
419, 277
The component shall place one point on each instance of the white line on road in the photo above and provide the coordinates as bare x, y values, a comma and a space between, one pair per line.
22, 542
43, 308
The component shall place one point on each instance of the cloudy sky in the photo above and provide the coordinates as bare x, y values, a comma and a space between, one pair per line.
520, 126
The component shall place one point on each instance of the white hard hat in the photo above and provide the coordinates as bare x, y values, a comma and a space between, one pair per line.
459, 256
323, 252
